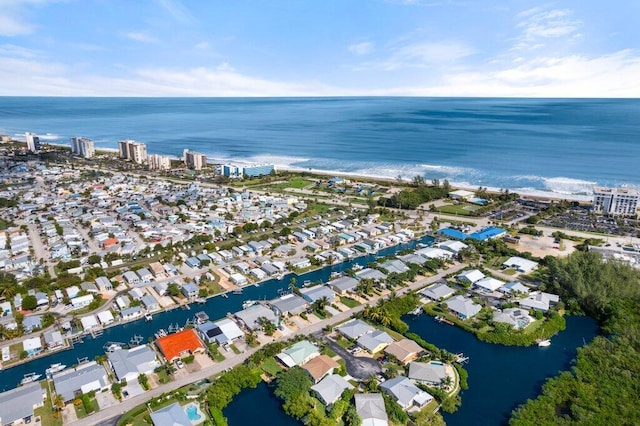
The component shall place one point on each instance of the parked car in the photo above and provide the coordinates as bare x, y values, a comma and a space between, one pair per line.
179, 363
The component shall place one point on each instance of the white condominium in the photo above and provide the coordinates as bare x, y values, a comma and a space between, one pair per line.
82, 146
194, 160
615, 201
159, 162
133, 151
33, 142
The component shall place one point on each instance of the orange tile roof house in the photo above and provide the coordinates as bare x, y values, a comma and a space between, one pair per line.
320, 366
179, 344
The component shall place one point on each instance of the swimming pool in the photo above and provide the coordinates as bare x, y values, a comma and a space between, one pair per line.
193, 413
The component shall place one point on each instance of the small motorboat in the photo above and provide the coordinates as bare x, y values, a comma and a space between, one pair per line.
544, 343
31, 377
55, 368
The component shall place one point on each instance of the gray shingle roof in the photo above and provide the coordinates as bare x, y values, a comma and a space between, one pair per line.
18, 403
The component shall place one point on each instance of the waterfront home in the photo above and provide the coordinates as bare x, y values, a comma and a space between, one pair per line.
311, 294
452, 246
520, 264
150, 303
394, 265
290, 304
223, 331
344, 285
131, 313
432, 373
404, 350
173, 415
238, 279
435, 253
319, 367
32, 345
103, 284
89, 322
539, 301
83, 379
330, 389
463, 307
370, 274
249, 317
413, 258
470, 276
128, 364
298, 354
518, 318
53, 340
370, 409
105, 318
300, 263
189, 290
17, 405
438, 292
375, 341
405, 393
488, 284
180, 344
258, 273
32, 322
514, 287
354, 329
131, 278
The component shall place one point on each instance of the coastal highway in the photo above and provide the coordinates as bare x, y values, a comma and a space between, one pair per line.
111, 413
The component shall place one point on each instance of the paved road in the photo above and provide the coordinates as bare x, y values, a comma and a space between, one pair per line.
358, 367
116, 411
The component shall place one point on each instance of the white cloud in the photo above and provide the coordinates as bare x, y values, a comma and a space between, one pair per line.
225, 67
178, 11
423, 54
539, 25
12, 25
363, 48
140, 37
203, 45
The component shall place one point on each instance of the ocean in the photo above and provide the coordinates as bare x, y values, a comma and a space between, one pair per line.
535, 146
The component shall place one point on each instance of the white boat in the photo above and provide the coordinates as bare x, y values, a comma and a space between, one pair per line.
248, 303
31, 377
148, 317
111, 346
544, 343
55, 368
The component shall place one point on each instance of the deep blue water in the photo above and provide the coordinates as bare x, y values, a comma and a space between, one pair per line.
561, 145
503, 377
257, 407
216, 307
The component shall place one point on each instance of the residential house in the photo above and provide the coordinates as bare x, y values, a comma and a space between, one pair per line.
89, 322
470, 276
89, 287
249, 317
189, 290
311, 294
435, 253
395, 265
404, 350
17, 405
104, 284
32, 345
131, 278
180, 344
53, 340
405, 393
539, 301
192, 262
298, 354
432, 373
81, 380
375, 341
145, 275
371, 274
319, 367
82, 301
172, 415
150, 303
438, 292
452, 246
370, 409
223, 331
488, 284
330, 389
32, 322
518, 318
514, 287
128, 364
290, 304
344, 285
131, 313
520, 264
354, 329
463, 307
105, 318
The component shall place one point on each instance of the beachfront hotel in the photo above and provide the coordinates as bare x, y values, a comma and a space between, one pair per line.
82, 146
159, 162
133, 151
194, 160
234, 171
33, 142
615, 201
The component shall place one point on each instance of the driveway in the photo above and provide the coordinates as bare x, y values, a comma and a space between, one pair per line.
360, 368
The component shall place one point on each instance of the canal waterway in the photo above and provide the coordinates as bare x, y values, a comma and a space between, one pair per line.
215, 307
256, 407
502, 377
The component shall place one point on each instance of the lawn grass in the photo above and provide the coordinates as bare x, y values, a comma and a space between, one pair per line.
234, 349
344, 342
328, 352
163, 376
457, 209
271, 367
46, 412
215, 353
349, 302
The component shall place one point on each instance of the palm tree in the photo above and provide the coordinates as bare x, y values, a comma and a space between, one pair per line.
58, 401
321, 303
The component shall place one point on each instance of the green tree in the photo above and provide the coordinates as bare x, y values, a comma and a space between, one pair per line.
29, 302
173, 289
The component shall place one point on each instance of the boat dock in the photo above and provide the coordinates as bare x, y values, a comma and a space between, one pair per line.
444, 320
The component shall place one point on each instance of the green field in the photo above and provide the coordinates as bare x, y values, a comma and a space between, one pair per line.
458, 209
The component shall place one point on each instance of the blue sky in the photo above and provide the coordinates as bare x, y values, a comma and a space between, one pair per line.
581, 48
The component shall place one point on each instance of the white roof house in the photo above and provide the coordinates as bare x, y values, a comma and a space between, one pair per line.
354, 329
430, 373
129, 364
105, 317
298, 354
330, 388
516, 317
520, 264
89, 322
488, 284
514, 287
250, 316
375, 341
438, 292
471, 276
17, 405
370, 409
88, 377
539, 301
463, 307
172, 415
453, 246
405, 392
434, 253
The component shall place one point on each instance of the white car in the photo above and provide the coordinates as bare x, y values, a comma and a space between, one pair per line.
179, 363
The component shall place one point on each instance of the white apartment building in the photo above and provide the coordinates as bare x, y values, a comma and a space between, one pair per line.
615, 201
33, 142
159, 162
83, 147
194, 160
133, 151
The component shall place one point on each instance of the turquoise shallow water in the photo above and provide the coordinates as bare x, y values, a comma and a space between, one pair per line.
560, 145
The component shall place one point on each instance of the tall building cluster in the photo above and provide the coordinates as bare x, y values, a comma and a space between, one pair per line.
33, 142
83, 147
194, 160
615, 201
133, 151
159, 162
